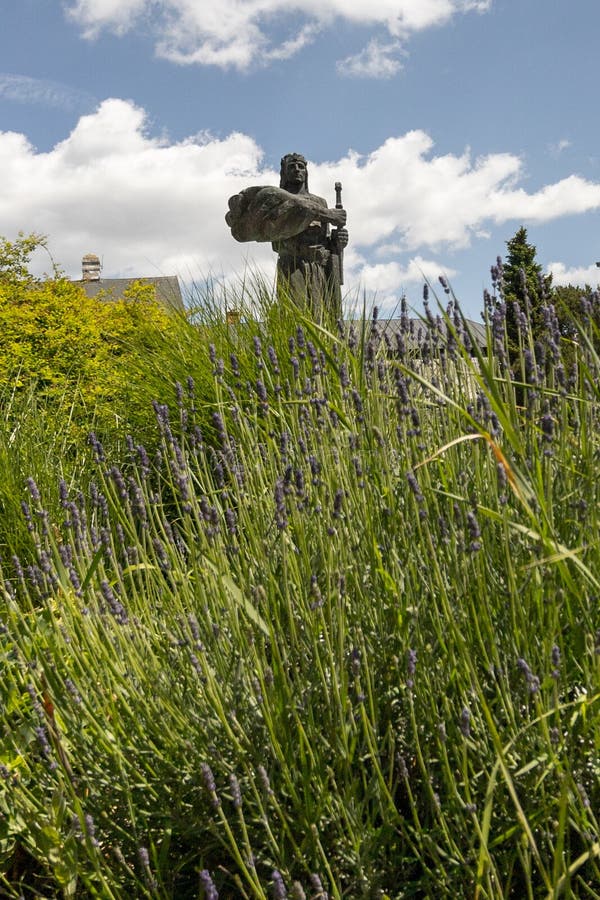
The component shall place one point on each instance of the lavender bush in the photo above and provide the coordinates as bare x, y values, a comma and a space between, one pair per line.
336, 635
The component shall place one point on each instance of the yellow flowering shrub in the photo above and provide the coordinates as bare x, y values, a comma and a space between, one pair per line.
90, 351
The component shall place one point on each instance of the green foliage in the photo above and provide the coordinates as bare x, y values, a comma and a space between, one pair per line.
15, 257
572, 303
523, 283
345, 623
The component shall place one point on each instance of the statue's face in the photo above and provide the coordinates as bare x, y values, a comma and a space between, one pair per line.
295, 172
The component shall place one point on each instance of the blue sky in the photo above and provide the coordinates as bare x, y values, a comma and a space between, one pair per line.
126, 124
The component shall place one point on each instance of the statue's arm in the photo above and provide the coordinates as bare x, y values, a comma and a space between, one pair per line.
272, 214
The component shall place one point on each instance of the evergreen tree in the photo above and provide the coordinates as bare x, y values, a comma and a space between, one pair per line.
526, 289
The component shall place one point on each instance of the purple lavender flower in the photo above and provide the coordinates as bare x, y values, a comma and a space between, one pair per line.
315, 468
533, 682
208, 886
414, 486
279, 889
262, 774
97, 447
344, 377
63, 492
161, 411
231, 521
519, 316
161, 554
556, 661
119, 482
314, 358
316, 884
18, 567
219, 473
474, 531
358, 404
355, 661
273, 359
280, 508
114, 604
90, 828
411, 665
75, 581
27, 515
33, 490
415, 421
337, 503
465, 722
209, 783
70, 686
352, 338
547, 426
584, 796
261, 392
236, 792
42, 736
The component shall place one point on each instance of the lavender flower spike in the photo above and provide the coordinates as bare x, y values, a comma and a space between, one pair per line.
208, 886
279, 889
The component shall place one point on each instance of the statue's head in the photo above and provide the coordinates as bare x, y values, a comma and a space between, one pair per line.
293, 174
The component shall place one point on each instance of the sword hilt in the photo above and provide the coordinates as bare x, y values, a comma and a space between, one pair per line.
338, 195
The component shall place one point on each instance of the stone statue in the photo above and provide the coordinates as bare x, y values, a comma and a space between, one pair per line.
310, 264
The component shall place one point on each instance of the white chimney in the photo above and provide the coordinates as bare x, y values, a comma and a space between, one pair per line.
90, 267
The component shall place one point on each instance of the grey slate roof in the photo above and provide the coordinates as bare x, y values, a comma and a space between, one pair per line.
168, 291
413, 332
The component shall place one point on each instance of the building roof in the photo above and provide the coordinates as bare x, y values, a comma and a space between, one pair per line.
168, 291
413, 333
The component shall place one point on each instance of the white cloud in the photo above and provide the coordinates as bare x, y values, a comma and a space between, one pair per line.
23, 89
566, 197
385, 282
148, 205
376, 60
118, 15
389, 275
143, 204
403, 194
239, 33
559, 147
578, 275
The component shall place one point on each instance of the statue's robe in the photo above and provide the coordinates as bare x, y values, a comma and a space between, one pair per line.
308, 264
